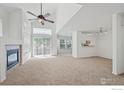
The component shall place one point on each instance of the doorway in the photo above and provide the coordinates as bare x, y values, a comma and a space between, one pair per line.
41, 42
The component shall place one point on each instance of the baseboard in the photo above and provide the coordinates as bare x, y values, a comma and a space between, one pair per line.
93, 57
115, 74
105, 57
2, 80
86, 57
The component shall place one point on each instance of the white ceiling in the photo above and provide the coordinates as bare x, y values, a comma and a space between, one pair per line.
65, 13
33, 7
8, 9
92, 17
89, 17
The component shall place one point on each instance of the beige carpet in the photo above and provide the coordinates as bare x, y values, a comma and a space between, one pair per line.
64, 71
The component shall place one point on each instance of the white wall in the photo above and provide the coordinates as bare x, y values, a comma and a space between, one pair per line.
15, 27
86, 51
78, 39
5, 28
26, 37
104, 44
92, 17
65, 12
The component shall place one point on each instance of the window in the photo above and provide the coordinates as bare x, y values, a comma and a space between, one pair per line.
62, 44
68, 43
65, 44
42, 31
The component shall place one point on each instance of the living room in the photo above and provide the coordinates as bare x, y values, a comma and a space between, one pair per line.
86, 42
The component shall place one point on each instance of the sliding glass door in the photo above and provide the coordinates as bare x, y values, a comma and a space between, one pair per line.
41, 43
41, 46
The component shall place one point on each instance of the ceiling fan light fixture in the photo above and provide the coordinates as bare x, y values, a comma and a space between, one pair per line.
40, 20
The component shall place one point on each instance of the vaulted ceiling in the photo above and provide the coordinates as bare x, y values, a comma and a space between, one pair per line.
92, 17
34, 7
87, 17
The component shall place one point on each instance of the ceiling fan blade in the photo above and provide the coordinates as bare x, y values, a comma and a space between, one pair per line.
31, 13
47, 14
49, 20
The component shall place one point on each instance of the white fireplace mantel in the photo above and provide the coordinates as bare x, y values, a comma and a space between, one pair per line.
13, 42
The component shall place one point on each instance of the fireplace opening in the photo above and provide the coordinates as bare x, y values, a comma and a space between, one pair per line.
12, 58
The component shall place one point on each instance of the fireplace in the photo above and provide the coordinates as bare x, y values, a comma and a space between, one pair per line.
12, 57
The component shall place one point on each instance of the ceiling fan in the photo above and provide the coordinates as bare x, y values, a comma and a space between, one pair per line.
41, 18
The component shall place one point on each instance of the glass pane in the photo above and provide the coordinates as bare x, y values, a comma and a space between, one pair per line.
12, 57
62, 41
62, 44
41, 46
68, 44
41, 31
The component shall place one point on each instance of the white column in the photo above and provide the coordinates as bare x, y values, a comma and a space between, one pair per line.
75, 44
2, 61
1, 32
54, 44
114, 29
118, 43
2, 56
